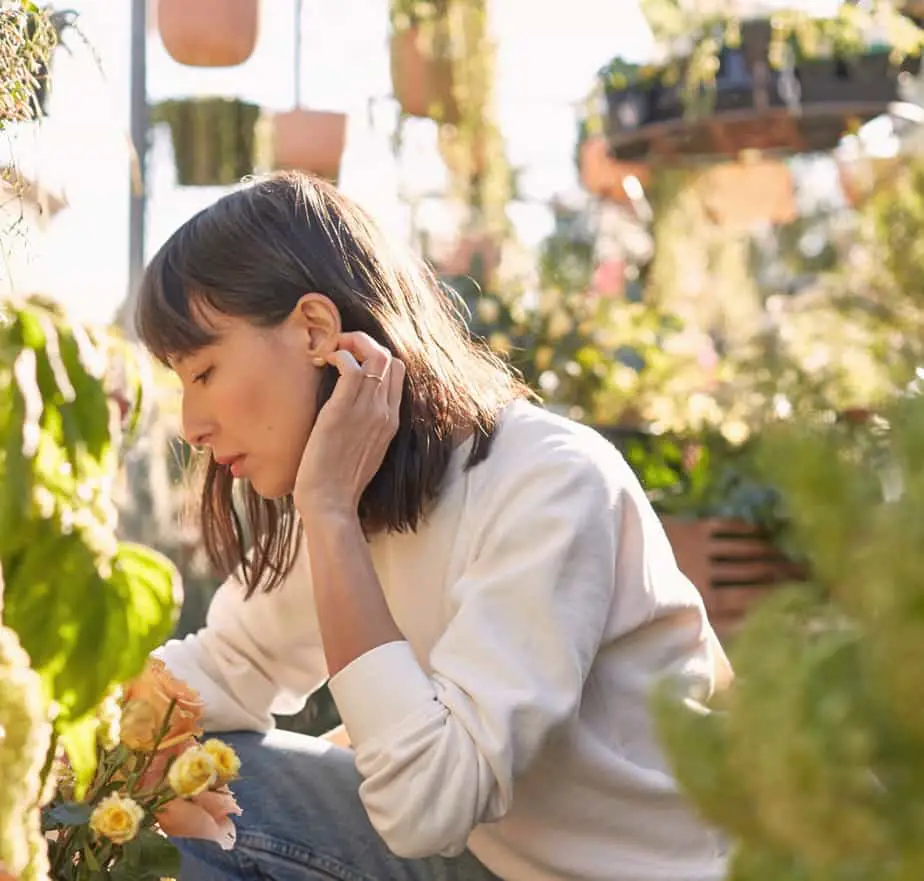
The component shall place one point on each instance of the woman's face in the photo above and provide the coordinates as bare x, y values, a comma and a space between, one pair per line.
251, 397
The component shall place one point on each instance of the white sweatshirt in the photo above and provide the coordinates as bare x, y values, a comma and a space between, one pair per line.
540, 603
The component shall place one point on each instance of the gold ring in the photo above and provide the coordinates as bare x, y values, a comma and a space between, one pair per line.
374, 376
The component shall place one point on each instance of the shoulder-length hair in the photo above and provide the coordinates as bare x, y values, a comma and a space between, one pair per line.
253, 254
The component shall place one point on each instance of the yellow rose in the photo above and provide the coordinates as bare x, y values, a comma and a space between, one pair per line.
117, 818
227, 763
193, 772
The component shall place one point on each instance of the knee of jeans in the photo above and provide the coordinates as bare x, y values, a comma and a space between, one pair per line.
293, 781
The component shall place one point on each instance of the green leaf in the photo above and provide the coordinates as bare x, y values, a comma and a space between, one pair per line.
90, 859
85, 633
79, 740
148, 586
149, 857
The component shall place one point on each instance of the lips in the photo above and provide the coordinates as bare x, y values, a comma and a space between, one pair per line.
233, 463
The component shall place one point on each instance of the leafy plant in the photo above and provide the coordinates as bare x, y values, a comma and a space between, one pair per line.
27, 39
833, 671
86, 609
213, 138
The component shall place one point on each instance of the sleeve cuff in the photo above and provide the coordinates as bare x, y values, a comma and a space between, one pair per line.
379, 690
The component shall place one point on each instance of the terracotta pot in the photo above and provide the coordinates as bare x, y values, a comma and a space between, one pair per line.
604, 176
208, 33
309, 140
422, 83
732, 563
743, 194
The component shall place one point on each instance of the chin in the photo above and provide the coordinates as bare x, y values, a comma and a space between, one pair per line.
272, 489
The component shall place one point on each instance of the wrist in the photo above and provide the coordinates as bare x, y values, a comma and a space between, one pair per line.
323, 513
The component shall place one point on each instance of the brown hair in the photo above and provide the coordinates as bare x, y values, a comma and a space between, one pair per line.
253, 254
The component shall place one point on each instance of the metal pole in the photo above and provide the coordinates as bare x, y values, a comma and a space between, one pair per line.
139, 135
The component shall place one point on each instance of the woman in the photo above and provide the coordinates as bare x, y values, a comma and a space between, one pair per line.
484, 583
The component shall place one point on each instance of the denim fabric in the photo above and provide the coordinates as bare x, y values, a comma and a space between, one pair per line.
303, 821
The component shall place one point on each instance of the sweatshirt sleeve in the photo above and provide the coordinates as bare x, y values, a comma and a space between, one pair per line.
253, 658
439, 750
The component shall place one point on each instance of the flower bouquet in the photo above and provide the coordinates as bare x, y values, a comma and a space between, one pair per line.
154, 777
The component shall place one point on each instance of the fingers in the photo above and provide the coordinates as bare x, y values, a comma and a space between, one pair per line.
368, 373
395, 382
373, 357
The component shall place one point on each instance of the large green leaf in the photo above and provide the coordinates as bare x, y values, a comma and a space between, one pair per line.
86, 632
149, 589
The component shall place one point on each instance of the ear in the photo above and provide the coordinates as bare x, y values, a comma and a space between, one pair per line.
316, 316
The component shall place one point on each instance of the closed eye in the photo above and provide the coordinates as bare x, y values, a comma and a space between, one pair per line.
203, 376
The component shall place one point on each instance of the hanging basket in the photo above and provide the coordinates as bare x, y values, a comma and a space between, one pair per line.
738, 195
309, 140
752, 105
208, 33
422, 78
213, 139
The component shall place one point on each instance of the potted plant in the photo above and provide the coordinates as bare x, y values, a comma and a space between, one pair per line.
309, 140
810, 762
726, 525
421, 60
213, 138
208, 33
443, 63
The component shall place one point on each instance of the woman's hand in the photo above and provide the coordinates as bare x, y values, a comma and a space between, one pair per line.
353, 428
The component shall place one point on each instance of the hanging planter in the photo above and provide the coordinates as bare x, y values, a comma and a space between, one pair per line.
421, 76
606, 177
772, 89
208, 33
309, 140
213, 139
299, 139
61, 21
738, 194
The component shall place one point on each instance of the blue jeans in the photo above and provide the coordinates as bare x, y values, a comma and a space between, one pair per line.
303, 821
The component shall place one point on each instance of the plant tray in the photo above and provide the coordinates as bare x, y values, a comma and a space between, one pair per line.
732, 563
753, 106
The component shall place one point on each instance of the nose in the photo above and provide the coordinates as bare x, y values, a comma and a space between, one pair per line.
198, 429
